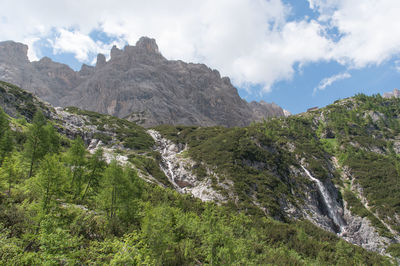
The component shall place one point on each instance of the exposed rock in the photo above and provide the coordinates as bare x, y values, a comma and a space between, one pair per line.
86, 70
137, 83
109, 154
376, 116
101, 60
178, 170
115, 52
359, 231
395, 93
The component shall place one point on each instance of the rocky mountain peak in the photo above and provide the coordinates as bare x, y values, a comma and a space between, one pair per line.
14, 52
147, 44
45, 60
138, 84
101, 60
115, 52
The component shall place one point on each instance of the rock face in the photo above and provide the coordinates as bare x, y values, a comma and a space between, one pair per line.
137, 83
178, 170
395, 93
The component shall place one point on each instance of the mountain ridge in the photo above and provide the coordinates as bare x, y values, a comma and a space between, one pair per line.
136, 83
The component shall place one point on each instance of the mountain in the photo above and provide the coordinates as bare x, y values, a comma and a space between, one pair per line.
294, 190
337, 167
138, 84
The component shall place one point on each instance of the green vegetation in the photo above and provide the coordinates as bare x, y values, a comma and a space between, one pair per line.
128, 133
75, 209
61, 205
22, 101
359, 209
394, 250
366, 129
257, 159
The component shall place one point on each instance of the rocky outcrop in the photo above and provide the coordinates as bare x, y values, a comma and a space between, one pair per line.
178, 169
137, 83
395, 93
47, 79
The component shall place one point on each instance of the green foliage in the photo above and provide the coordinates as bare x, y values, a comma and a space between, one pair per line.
50, 181
76, 161
150, 166
394, 250
96, 165
11, 171
41, 140
56, 244
6, 139
75, 209
131, 135
356, 207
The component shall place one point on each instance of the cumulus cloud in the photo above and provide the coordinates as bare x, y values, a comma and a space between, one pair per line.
369, 29
326, 82
252, 41
73, 42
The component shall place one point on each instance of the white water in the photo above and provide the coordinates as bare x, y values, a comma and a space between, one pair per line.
329, 202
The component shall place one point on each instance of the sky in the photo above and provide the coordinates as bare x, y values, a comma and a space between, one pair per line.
296, 53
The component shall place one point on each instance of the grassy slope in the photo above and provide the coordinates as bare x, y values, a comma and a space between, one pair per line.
172, 229
344, 129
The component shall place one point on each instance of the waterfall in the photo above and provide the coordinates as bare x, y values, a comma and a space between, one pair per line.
330, 203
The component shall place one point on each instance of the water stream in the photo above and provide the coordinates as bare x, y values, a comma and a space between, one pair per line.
330, 204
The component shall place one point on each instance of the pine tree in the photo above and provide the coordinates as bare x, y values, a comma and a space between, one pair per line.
11, 171
41, 139
76, 161
4, 123
112, 186
6, 137
95, 168
50, 178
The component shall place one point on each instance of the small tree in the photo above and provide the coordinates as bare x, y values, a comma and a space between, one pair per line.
4, 123
112, 186
6, 139
41, 139
76, 161
11, 171
49, 179
6, 145
95, 169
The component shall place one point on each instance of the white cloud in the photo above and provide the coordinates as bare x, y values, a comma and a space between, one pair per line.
252, 41
329, 80
73, 42
79, 44
370, 29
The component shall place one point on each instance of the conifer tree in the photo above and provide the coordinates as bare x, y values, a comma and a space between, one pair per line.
4, 123
50, 178
41, 139
76, 161
11, 171
95, 169
6, 139
113, 187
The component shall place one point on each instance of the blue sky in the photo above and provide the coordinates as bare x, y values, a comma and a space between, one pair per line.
296, 53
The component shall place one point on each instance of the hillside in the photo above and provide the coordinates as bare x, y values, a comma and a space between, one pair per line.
337, 167
136, 83
288, 191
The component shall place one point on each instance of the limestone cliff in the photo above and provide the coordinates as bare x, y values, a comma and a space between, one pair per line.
137, 83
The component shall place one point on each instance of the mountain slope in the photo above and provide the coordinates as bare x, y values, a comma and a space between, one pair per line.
337, 167
124, 220
137, 83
